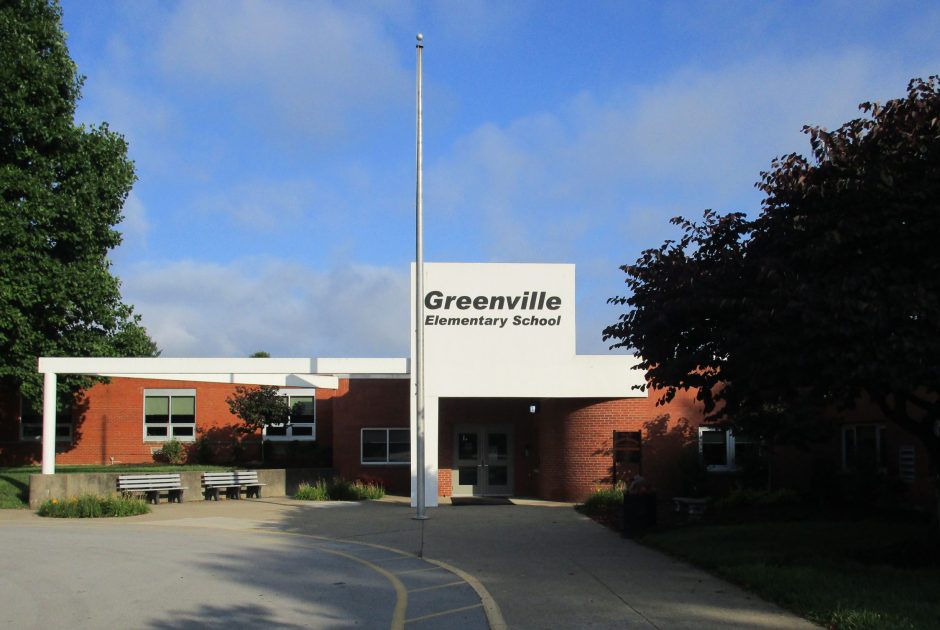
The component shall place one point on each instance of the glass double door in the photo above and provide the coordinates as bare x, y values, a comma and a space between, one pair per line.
482, 461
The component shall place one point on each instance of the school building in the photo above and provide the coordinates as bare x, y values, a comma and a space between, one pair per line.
511, 408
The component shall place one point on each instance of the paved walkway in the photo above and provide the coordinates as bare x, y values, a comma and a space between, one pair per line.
529, 565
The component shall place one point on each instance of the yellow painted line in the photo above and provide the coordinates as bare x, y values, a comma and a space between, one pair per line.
490, 607
410, 571
493, 615
394, 558
441, 614
436, 586
401, 594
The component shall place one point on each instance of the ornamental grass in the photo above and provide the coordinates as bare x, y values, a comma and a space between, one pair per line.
93, 506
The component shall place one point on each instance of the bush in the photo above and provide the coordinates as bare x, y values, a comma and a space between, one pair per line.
745, 497
315, 492
172, 451
93, 506
202, 452
604, 501
338, 489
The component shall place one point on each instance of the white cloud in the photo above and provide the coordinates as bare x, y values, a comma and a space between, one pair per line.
312, 65
262, 205
206, 309
135, 226
696, 139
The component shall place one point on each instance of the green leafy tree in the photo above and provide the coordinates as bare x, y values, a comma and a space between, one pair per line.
831, 296
258, 407
62, 187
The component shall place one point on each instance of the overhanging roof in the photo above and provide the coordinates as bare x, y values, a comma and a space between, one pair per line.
302, 372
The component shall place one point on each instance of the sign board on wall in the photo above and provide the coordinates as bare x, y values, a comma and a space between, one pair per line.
498, 329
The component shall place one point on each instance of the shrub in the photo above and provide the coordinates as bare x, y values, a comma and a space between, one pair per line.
367, 490
604, 501
172, 451
316, 492
338, 489
93, 506
202, 452
745, 497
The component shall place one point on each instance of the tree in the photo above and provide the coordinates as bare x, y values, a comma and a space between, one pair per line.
831, 296
259, 407
260, 354
62, 187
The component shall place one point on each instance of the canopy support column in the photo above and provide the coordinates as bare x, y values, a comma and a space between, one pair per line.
48, 422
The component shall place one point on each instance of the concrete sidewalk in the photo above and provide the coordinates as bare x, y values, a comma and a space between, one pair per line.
545, 565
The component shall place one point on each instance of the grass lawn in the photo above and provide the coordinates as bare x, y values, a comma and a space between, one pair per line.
14, 482
851, 574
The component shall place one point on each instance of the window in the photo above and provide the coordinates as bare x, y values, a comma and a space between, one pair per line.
169, 413
863, 447
907, 464
302, 425
720, 449
386, 446
31, 423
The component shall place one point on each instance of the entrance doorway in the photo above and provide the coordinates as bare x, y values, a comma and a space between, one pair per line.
482, 461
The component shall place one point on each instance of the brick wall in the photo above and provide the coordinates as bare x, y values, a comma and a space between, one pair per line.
369, 403
108, 424
575, 438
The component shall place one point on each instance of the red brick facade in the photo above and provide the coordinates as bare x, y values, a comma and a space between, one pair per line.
562, 451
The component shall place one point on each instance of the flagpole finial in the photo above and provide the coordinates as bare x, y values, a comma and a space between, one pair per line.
420, 37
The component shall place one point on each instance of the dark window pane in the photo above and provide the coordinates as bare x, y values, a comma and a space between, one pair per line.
301, 431
467, 446
156, 431
276, 430
497, 447
399, 445
714, 448
301, 411
866, 454
374, 445
467, 476
848, 445
182, 431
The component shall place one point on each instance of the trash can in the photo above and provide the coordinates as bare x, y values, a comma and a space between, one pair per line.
639, 514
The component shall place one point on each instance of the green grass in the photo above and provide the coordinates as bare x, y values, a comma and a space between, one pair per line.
14, 482
338, 489
852, 575
93, 506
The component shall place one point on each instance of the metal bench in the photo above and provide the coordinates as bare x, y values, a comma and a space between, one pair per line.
232, 482
153, 485
693, 507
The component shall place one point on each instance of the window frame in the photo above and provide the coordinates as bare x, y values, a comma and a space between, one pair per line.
881, 461
169, 393
63, 420
731, 464
295, 392
388, 443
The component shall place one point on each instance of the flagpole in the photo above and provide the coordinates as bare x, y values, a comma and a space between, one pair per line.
418, 366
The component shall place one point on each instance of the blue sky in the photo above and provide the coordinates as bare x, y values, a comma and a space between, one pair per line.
274, 143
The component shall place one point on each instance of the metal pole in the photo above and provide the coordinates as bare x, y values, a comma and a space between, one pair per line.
418, 366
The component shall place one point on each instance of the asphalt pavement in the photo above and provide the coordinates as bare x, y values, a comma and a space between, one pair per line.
279, 563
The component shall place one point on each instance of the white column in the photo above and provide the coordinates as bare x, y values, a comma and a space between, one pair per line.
48, 423
431, 440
